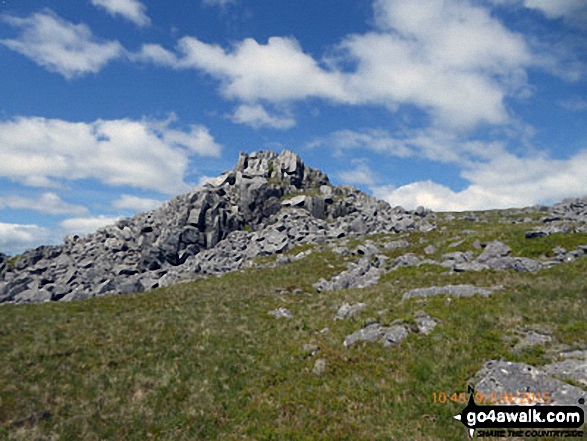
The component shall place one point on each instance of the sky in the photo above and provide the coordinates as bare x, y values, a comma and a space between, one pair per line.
111, 107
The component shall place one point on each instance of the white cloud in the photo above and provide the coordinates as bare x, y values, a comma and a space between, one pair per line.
221, 3
256, 116
277, 71
376, 140
448, 57
132, 10
49, 203
360, 175
441, 198
16, 238
430, 144
198, 140
505, 181
143, 154
573, 10
86, 225
573, 104
60, 46
135, 203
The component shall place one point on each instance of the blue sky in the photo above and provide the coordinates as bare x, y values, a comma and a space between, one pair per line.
109, 107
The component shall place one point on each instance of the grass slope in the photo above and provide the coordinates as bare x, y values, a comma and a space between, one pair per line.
205, 360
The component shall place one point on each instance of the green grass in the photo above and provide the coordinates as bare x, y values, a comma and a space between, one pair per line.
204, 360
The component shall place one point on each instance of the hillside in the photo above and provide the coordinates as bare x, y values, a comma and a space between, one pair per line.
305, 311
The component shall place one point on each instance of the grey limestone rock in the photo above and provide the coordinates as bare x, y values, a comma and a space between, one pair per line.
499, 376
530, 339
396, 244
374, 332
570, 369
451, 290
394, 335
365, 272
370, 333
347, 310
493, 250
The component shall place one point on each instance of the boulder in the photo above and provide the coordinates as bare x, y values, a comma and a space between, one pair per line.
347, 310
511, 378
451, 290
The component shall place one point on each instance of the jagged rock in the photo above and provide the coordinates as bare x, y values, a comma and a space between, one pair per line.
505, 377
347, 310
370, 333
451, 260
374, 332
451, 290
366, 249
394, 335
406, 260
570, 369
218, 227
493, 250
365, 272
495, 256
32, 296
396, 244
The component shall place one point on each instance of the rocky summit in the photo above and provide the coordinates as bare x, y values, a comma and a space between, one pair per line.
336, 316
266, 204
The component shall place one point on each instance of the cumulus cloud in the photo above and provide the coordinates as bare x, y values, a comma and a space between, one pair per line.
361, 174
143, 154
376, 140
135, 203
132, 10
431, 144
574, 12
256, 116
277, 71
60, 46
506, 181
497, 178
451, 58
198, 140
86, 225
48, 203
16, 238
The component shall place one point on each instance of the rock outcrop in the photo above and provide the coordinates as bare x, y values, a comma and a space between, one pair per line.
267, 204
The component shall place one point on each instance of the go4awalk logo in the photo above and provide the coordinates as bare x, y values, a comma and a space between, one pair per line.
522, 417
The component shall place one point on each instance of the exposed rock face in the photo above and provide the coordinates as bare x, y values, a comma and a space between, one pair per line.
495, 256
451, 290
505, 377
255, 209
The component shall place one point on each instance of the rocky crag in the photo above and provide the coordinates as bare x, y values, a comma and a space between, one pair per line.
268, 203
